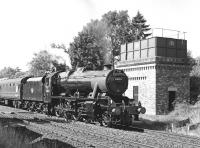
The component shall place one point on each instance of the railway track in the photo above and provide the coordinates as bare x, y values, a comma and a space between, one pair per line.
73, 133
176, 140
79, 134
156, 141
173, 136
147, 139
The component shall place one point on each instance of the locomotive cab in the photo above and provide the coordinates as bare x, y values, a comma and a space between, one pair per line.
47, 88
50, 86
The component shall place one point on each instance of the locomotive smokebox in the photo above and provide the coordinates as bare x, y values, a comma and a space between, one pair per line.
116, 82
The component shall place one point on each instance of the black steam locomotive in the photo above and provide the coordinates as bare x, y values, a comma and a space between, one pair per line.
82, 95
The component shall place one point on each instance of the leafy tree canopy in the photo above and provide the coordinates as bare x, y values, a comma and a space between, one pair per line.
118, 29
139, 27
8, 72
101, 39
43, 62
194, 79
85, 52
123, 30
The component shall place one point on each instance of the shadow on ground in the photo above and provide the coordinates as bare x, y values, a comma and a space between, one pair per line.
152, 125
14, 134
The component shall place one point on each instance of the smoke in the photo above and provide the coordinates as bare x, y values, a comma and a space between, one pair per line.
108, 58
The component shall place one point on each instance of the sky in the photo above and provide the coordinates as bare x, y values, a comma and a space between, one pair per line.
28, 26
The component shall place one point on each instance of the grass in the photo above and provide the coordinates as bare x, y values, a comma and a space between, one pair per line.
185, 120
192, 112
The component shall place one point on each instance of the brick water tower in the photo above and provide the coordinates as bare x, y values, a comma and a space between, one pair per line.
158, 72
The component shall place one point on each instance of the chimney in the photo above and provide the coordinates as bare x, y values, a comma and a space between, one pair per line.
107, 66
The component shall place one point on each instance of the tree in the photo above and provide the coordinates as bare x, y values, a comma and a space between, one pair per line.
43, 62
100, 41
21, 74
60, 66
139, 27
84, 51
91, 41
8, 72
118, 29
194, 79
58, 46
98, 29
123, 30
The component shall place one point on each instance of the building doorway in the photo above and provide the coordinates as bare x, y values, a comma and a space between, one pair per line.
172, 96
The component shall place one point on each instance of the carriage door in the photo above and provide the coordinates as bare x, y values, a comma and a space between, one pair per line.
47, 89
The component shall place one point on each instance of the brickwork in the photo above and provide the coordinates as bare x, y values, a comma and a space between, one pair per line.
143, 76
154, 82
158, 68
171, 77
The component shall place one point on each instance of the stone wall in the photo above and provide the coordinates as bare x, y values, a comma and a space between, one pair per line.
157, 69
175, 77
154, 82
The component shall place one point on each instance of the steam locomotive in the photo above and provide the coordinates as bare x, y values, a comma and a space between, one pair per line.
83, 94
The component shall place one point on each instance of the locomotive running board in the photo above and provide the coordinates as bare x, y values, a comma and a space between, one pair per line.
72, 98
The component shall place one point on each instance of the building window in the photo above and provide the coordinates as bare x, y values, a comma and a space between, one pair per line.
135, 93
